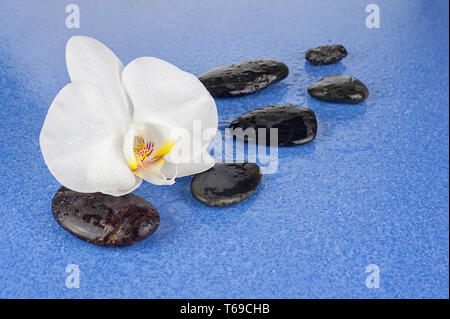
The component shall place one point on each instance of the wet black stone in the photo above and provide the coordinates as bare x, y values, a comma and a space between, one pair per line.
296, 125
226, 184
244, 77
339, 88
105, 220
327, 54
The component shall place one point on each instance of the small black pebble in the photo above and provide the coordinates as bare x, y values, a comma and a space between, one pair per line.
327, 54
244, 77
105, 220
226, 184
339, 88
296, 125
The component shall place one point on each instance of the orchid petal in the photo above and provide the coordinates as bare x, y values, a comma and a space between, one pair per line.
81, 142
89, 60
163, 93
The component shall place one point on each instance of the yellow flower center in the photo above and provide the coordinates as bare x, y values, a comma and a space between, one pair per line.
142, 149
145, 152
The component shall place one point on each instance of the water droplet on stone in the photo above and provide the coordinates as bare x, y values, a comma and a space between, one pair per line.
339, 88
105, 220
243, 77
326, 54
295, 124
221, 186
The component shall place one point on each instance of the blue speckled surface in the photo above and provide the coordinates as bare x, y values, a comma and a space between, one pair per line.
371, 189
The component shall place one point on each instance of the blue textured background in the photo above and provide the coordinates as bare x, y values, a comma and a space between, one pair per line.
371, 188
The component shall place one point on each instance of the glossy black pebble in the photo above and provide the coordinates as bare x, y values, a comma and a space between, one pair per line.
105, 220
296, 125
327, 54
244, 77
226, 184
339, 88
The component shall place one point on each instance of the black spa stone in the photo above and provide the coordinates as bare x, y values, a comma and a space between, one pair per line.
327, 54
339, 88
295, 125
226, 184
105, 220
244, 77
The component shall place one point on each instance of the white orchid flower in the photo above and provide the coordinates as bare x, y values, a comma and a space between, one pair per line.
113, 126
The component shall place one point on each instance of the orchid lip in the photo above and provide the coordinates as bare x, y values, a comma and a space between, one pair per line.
145, 152
144, 147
